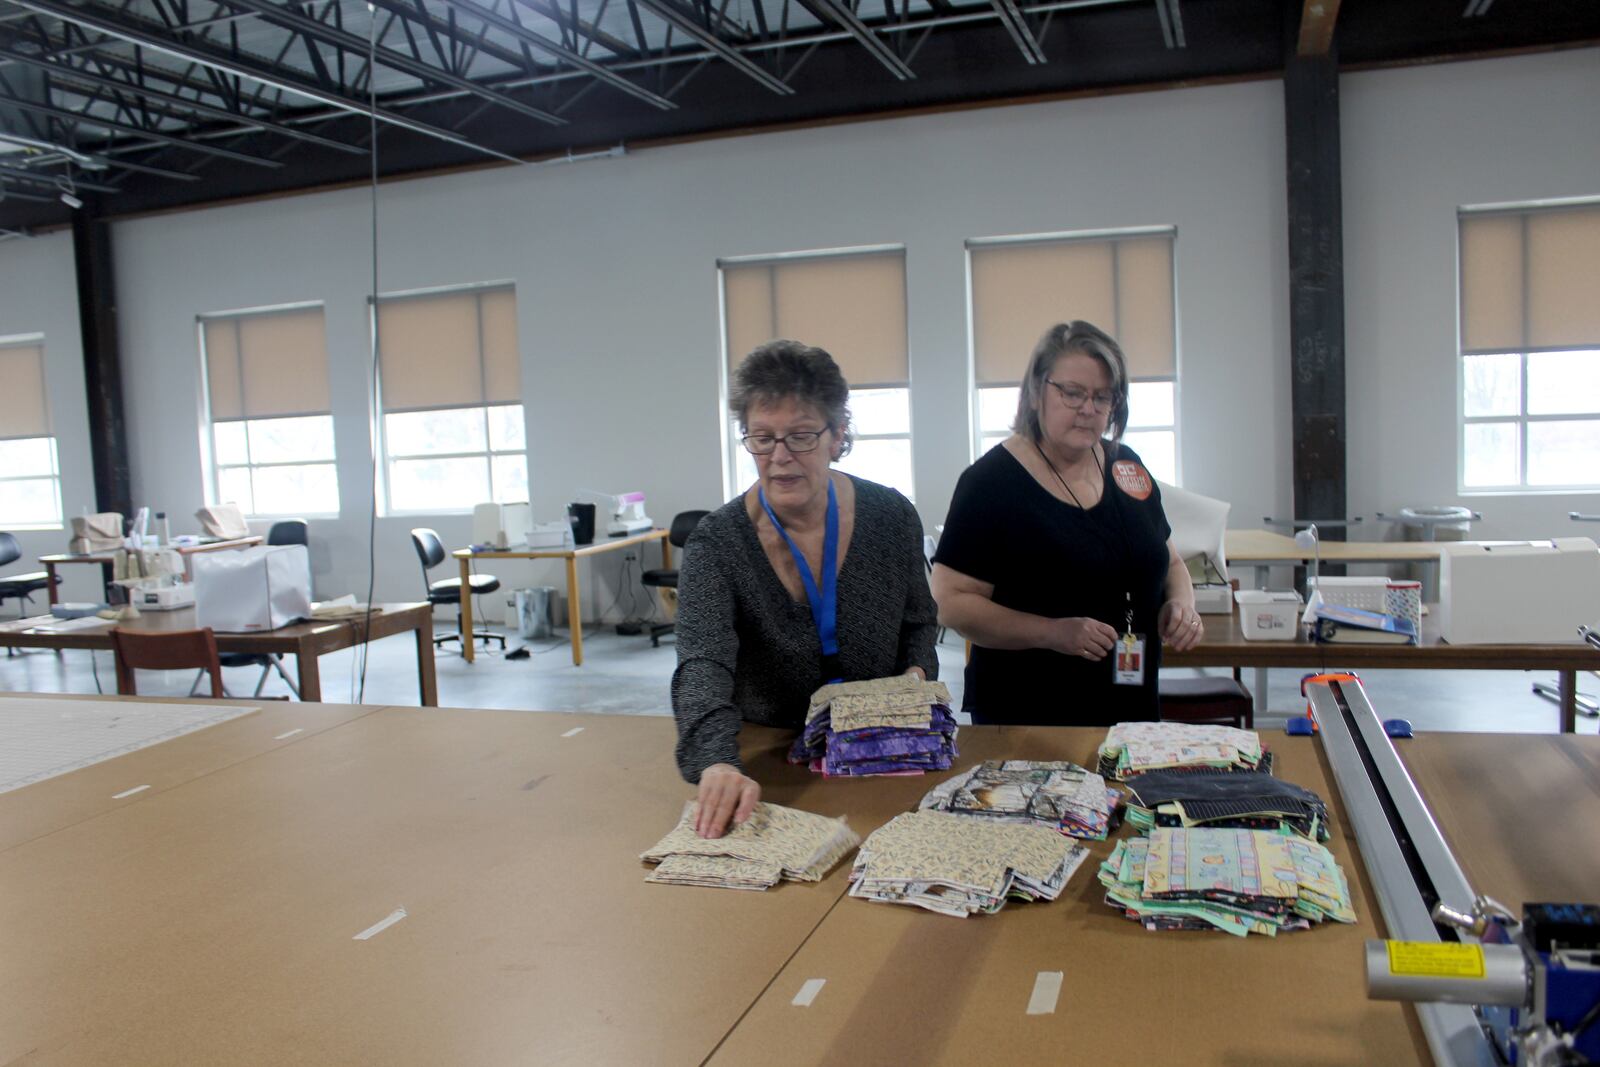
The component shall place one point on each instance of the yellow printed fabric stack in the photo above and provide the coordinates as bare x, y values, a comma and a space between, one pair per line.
774, 844
1238, 881
959, 865
1133, 748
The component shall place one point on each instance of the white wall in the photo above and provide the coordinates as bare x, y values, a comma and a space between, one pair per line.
614, 263
38, 294
1419, 143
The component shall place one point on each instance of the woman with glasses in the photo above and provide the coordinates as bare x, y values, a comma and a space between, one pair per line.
810, 576
1056, 560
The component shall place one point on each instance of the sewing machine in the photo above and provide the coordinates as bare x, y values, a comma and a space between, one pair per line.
628, 516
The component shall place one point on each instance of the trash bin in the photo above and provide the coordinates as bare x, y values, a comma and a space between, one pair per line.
533, 612
1449, 523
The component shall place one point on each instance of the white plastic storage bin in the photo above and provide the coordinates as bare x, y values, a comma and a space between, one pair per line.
1269, 615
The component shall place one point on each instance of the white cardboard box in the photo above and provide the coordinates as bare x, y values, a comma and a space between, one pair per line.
1518, 592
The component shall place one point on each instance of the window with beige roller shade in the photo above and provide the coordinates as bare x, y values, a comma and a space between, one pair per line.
1529, 279
24, 404
1123, 284
268, 364
453, 349
853, 305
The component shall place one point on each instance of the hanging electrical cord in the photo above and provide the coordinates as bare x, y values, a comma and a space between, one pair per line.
372, 515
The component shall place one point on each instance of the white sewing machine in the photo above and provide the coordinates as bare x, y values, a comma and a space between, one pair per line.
1518, 592
628, 516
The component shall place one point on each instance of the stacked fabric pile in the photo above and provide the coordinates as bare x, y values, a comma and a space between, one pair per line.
1133, 748
1247, 800
898, 725
956, 865
774, 843
1240, 881
1061, 795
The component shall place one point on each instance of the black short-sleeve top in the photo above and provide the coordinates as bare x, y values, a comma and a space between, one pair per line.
1047, 557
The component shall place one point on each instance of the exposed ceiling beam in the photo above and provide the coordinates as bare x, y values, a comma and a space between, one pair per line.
46, 178
686, 22
539, 42
290, 19
8, 193
136, 131
270, 76
839, 11
84, 77
1016, 25
1316, 27
1171, 23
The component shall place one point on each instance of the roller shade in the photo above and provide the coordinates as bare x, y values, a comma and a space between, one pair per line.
1121, 284
854, 306
24, 404
449, 350
1529, 279
264, 365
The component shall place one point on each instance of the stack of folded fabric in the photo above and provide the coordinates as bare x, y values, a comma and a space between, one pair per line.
1247, 800
1239, 881
774, 843
1061, 795
898, 725
1133, 748
955, 865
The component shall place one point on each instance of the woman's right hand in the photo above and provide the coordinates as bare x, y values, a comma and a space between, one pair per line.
1077, 636
725, 792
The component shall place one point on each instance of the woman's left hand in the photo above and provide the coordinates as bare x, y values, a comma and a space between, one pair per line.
1180, 625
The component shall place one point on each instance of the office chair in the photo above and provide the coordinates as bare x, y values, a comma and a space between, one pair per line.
1209, 701
20, 587
170, 651
430, 551
683, 524
286, 532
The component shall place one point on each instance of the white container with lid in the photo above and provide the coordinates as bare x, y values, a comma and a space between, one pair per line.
1268, 614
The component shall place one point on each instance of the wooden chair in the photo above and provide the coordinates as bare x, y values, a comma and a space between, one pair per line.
1207, 700
171, 651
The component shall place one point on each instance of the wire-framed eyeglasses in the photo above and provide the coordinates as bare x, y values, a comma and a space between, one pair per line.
763, 444
1076, 396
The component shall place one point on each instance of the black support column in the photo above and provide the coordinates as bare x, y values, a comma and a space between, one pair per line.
102, 364
1316, 284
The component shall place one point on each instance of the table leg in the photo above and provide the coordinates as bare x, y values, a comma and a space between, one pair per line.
1261, 690
50, 573
466, 610
666, 554
426, 674
310, 677
574, 615
108, 575
1568, 680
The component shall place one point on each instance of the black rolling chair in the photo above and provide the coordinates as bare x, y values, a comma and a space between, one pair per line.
19, 587
430, 550
286, 532
683, 524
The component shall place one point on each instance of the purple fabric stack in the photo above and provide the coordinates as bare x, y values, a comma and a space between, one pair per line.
896, 725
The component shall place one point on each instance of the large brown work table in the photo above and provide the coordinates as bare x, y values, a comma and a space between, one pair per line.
1225, 645
212, 918
305, 641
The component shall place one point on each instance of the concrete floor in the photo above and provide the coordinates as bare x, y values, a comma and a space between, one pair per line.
625, 676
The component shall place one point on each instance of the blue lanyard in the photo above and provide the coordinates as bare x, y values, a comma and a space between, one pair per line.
824, 602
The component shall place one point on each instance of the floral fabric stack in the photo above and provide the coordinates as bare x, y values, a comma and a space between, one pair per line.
898, 725
1238, 881
1132, 748
775, 843
1060, 795
956, 865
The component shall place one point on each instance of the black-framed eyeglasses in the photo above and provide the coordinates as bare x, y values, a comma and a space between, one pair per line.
763, 444
1075, 396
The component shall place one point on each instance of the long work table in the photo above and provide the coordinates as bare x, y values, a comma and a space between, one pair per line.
214, 917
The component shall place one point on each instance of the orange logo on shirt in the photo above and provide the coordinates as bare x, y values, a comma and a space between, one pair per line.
1132, 479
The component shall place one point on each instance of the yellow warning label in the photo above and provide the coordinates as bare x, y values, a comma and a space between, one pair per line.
1429, 959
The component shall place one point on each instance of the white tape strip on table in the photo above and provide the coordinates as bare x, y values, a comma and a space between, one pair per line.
573, 732
808, 992
381, 925
1046, 991
291, 733
129, 792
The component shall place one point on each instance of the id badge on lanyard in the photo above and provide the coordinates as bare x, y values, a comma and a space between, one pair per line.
824, 600
1128, 663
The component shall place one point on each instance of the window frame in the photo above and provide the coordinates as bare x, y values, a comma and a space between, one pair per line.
1522, 419
208, 424
37, 340
1113, 236
733, 447
380, 435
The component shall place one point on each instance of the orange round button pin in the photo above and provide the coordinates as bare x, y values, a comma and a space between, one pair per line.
1132, 479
